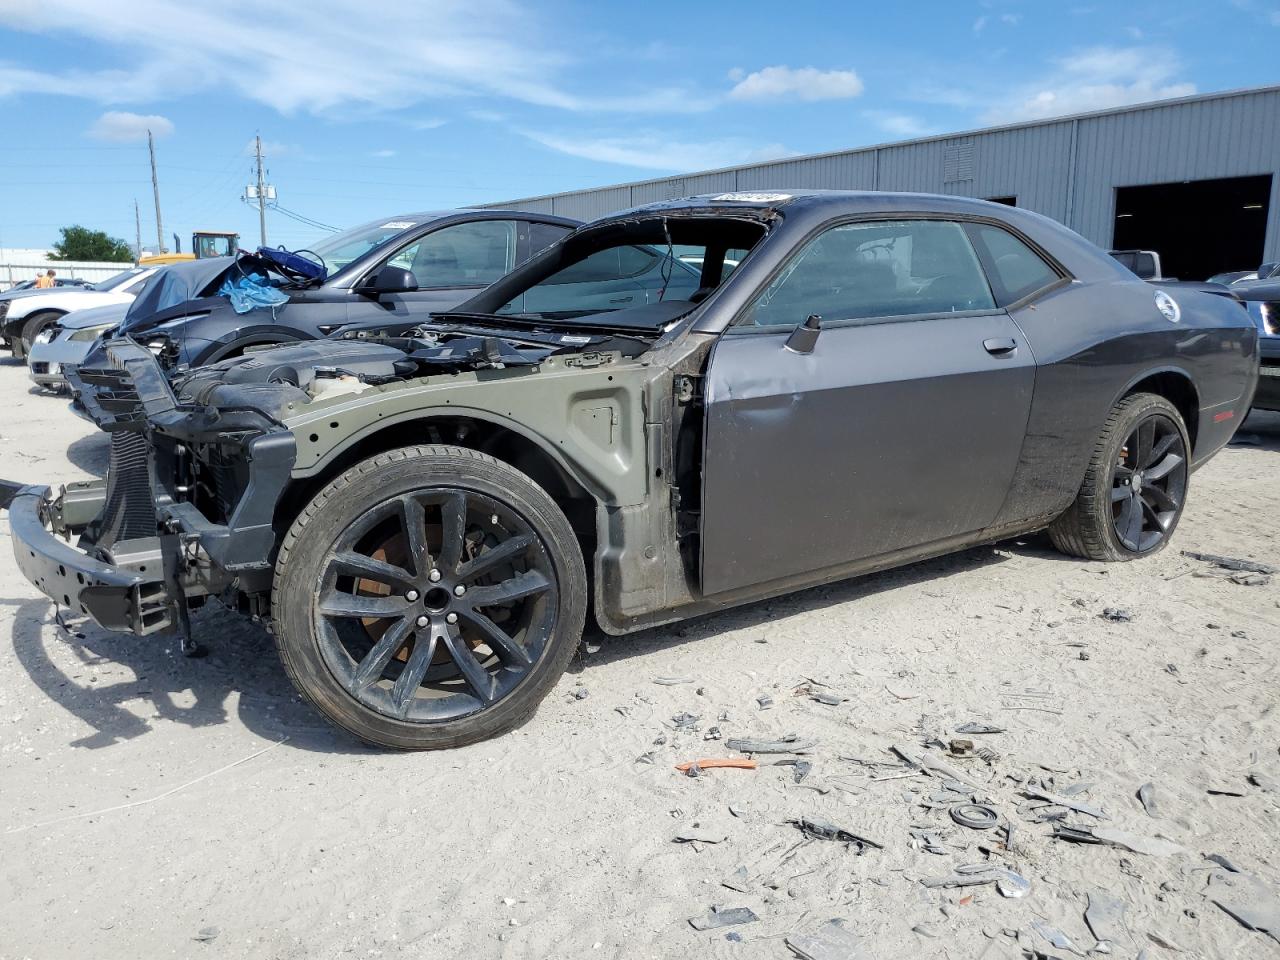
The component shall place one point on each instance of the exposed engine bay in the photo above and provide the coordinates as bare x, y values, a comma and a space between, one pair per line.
271, 378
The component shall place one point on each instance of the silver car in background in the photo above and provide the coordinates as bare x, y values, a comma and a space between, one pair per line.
68, 341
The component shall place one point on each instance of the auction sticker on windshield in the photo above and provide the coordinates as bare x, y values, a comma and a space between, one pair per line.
397, 225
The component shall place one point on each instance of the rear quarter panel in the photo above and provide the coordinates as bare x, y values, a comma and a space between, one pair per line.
1093, 342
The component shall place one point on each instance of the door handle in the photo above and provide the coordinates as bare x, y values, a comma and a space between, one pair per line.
1000, 346
622, 299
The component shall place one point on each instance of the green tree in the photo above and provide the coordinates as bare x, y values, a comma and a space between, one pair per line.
81, 243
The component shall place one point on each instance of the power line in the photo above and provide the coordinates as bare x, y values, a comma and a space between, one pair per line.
303, 219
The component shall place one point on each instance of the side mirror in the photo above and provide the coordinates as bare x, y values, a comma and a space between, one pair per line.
805, 336
390, 280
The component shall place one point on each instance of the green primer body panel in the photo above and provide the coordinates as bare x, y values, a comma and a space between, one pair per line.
590, 418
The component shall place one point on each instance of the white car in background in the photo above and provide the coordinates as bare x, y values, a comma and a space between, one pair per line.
68, 340
24, 314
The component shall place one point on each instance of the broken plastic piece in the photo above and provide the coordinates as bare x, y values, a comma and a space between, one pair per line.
1248, 900
1147, 797
1008, 883
737, 763
1231, 563
823, 830
720, 917
1116, 615
1152, 846
788, 744
1105, 917
977, 727
1053, 935
831, 941
701, 832
1067, 802
739, 880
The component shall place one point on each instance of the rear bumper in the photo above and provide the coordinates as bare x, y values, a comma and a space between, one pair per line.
132, 597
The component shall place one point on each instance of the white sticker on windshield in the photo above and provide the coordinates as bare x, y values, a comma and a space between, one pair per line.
397, 225
754, 197
574, 338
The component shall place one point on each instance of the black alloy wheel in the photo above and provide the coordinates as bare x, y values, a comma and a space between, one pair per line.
428, 597
1134, 487
1149, 483
454, 624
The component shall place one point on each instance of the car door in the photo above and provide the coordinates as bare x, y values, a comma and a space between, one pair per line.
451, 265
900, 429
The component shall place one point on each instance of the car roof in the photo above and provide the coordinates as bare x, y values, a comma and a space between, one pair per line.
834, 202
423, 217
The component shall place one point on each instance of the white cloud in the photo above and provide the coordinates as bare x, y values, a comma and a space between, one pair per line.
122, 127
898, 124
272, 149
657, 152
383, 154
796, 83
443, 50
980, 24
1096, 79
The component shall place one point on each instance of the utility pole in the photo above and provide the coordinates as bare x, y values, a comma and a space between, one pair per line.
262, 192
137, 232
155, 188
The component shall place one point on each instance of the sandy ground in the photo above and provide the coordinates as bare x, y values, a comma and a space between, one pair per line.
162, 807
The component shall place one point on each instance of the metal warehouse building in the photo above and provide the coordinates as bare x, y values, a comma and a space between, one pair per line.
1192, 178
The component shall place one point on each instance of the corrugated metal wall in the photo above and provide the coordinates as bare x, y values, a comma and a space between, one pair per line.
1067, 169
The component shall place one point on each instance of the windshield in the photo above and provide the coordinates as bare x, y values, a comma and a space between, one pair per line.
638, 272
342, 248
119, 280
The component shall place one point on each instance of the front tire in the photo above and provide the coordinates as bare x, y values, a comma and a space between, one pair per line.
1135, 486
35, 324
429, 597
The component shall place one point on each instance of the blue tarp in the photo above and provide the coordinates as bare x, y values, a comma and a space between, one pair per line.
248, 291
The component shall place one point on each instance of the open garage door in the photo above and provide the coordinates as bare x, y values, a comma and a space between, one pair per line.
1199, 227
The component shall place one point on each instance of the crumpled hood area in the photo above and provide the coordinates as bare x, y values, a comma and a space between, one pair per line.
272, 379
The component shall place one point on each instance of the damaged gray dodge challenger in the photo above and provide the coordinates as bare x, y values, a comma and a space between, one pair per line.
426, 516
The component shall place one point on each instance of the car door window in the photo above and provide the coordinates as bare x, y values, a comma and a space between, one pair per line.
1016, 270
870, 271
463, 255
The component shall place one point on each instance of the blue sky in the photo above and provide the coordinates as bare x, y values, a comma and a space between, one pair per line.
402, 105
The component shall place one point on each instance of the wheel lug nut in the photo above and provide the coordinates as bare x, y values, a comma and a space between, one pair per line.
434, 576
423, 620
451, 618
411, 596
459, 590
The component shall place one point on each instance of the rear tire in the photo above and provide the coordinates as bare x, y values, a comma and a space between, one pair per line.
32, 328
1135, 486
429, 597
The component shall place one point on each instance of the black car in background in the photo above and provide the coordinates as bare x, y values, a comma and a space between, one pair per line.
394, 270
1262, 300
